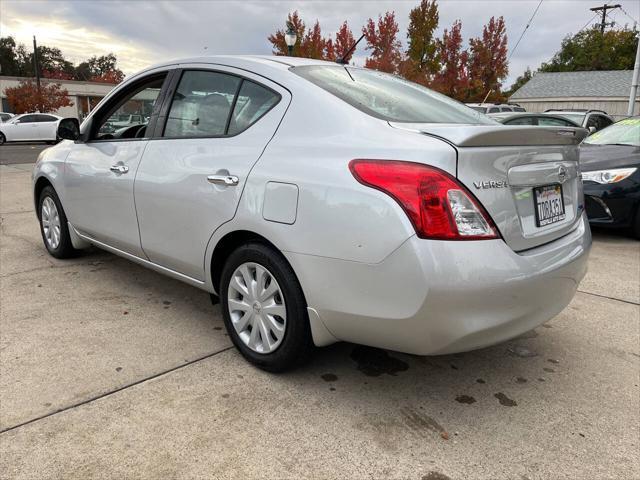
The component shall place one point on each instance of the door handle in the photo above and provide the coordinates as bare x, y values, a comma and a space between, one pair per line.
119, 169
227, 180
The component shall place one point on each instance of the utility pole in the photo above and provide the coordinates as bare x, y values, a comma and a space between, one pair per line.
634, 81
604, 9
35, 66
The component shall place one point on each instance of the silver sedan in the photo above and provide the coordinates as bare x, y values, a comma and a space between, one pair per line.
324, 203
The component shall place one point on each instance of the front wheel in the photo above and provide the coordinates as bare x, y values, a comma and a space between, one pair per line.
264, 309
2, 138
53, 225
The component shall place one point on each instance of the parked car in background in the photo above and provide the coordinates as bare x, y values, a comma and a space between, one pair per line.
325, 203
592, 120
534, 119
495, 107
4, 116
610, 162
30, 127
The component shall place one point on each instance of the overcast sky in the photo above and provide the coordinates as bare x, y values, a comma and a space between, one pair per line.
143, 32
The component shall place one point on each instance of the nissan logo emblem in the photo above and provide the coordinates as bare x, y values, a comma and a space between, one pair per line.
562, 174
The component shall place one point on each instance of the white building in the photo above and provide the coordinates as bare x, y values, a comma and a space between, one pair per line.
83, 95
598, 90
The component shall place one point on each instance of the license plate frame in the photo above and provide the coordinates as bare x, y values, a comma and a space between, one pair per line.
548, 205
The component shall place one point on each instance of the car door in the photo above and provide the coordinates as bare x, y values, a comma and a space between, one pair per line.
23, 129
100, 172
46, 127
215, 125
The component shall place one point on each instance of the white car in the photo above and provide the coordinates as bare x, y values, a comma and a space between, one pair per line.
30, 127
323, 203
5, 116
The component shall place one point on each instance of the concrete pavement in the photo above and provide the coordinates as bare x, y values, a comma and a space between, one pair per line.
110, 370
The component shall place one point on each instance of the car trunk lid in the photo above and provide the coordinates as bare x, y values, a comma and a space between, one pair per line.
527, 178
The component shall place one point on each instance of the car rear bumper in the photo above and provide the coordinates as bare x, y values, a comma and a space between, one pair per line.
435, 297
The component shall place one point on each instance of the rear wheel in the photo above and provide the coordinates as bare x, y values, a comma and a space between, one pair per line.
53, 225
264, 309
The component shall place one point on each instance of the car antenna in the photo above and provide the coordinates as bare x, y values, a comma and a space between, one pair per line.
342, 60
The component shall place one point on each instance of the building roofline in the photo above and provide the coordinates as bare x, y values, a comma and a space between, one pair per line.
56, 80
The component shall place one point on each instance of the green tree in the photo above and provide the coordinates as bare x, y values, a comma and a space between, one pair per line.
95, 67
422, 61
520, 81
592, 50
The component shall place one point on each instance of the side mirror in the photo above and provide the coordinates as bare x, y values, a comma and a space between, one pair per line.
592, 130
69, 129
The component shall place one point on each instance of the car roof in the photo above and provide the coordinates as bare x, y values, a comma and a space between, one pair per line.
273, 61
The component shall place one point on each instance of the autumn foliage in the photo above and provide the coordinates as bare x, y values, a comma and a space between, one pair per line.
27, 98
383, 43
442, 63
310, 42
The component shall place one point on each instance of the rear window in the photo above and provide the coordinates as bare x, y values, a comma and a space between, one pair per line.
389, 97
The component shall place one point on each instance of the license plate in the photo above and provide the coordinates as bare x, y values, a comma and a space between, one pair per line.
549, 205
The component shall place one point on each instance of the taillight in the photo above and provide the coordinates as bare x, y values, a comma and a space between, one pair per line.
436, 203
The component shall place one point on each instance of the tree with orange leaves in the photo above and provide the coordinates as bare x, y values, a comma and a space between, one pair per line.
453, 77
344, 41
488, 64
382, 41
26, 97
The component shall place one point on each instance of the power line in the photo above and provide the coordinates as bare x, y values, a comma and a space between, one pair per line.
604, 9
525, 30
625, 12
588, 23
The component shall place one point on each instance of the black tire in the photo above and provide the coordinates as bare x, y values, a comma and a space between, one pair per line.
64, 248
296, 346
3, 139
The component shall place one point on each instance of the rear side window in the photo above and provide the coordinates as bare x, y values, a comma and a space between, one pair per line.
553, 122
518, 109
202, 104
521, 121
46, 118
389, 97
252, 103
506, 109
494, 110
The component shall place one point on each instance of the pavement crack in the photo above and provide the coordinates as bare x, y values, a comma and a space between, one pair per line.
119, 389
609, 298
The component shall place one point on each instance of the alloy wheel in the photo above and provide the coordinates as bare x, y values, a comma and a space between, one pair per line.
257, 307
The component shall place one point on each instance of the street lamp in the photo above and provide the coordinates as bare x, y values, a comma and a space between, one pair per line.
290, 39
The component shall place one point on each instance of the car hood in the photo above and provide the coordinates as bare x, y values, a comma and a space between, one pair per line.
600, 157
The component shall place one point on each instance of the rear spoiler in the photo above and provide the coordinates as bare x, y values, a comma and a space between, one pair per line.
497, 135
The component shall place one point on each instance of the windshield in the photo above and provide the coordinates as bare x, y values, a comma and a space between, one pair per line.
625, 132
389, 97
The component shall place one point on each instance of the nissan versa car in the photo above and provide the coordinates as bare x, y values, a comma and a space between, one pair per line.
324, 203
610, 161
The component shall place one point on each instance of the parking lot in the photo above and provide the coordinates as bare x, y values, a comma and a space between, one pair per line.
111, 370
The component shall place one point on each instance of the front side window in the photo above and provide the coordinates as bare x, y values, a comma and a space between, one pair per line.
202, 104
494, 110
506, 109
389, 97
129, 117
26, 119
